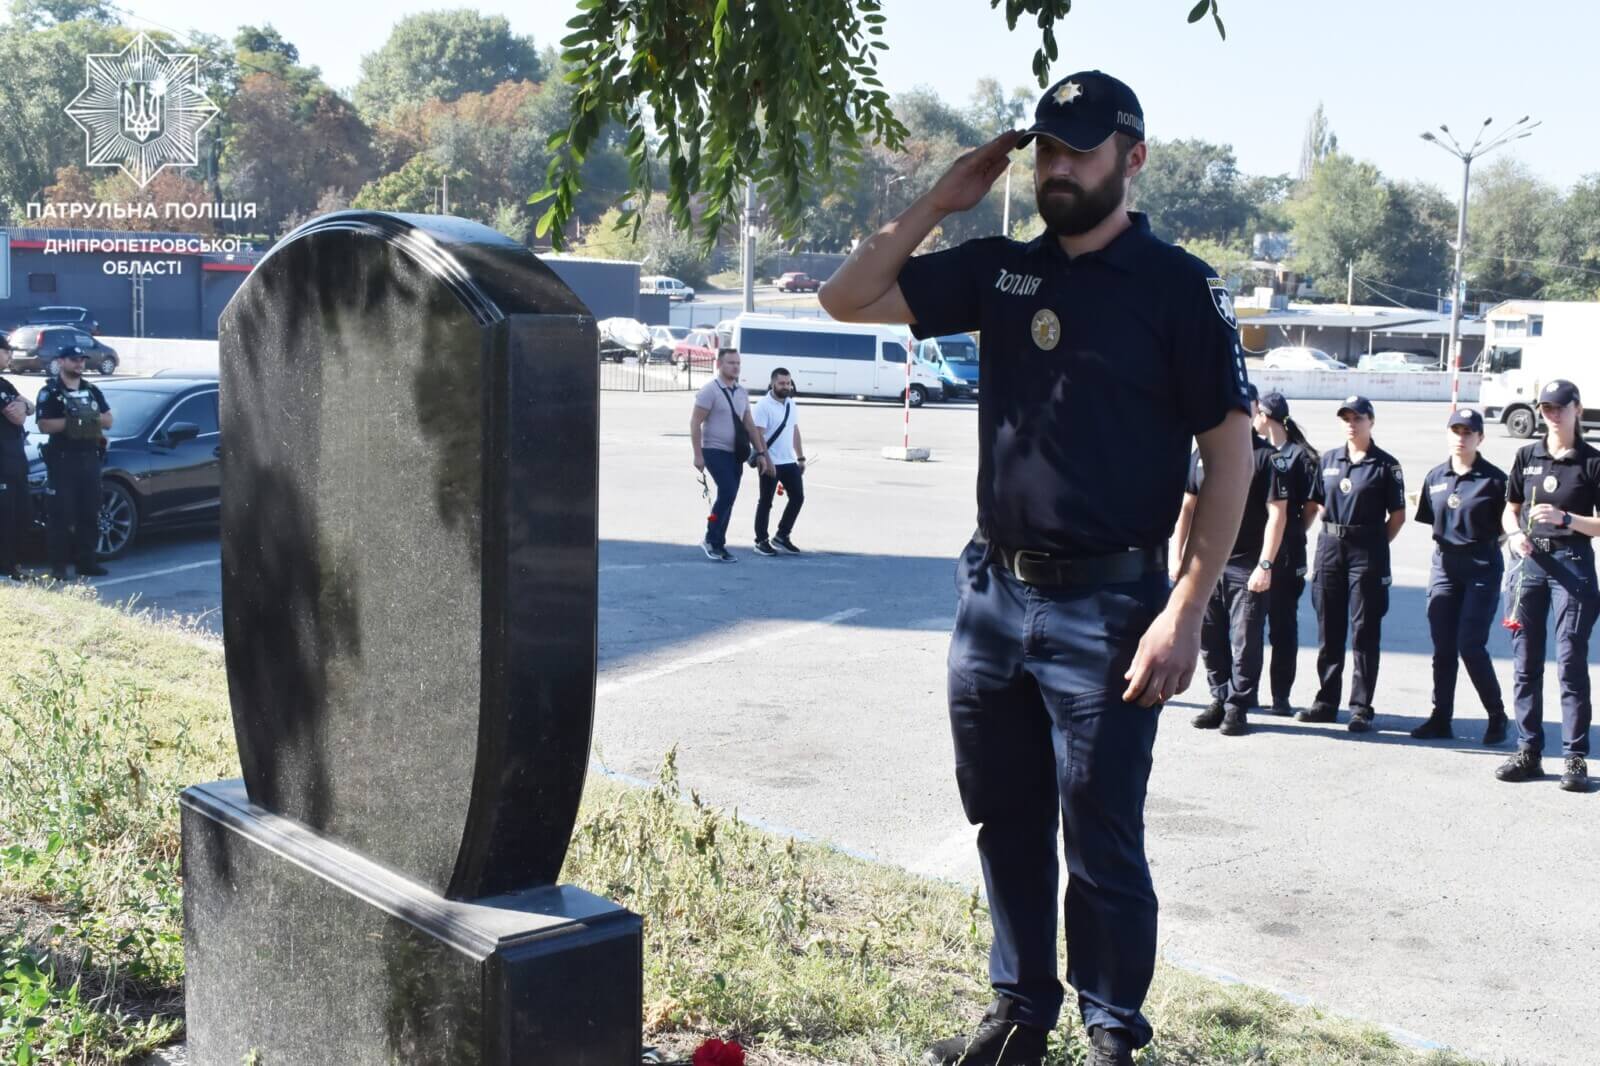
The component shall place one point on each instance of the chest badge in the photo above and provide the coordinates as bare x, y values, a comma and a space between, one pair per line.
1344, 486
1046, 329
1550, 483
1454, 501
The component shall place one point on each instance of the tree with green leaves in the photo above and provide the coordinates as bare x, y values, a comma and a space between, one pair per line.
1508, 214
440, 55
1319, 143
414, 188
1192, 189
1570, 248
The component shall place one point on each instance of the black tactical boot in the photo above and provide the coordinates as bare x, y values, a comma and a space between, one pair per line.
1209, 718
998, 1041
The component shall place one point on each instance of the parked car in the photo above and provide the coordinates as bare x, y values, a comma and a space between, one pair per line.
1389, 363
622, 337
663, 339
671, 288
163, 462
1296, 358
63, 316
795, 281
699, 348
36, 349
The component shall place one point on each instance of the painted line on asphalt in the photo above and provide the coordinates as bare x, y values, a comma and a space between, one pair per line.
607, 686
155, 573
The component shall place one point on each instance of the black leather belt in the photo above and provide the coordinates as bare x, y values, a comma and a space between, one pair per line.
1488, 547
1334, 529
1042, 568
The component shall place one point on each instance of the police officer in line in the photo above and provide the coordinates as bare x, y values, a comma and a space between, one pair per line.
75, 415
16, 510
1463, 499
1236, 616
1067, 641
1554, 496
1362, 497
1297, 464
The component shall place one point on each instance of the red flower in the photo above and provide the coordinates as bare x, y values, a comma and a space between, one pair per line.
711, 518
715, 1053
1511, 624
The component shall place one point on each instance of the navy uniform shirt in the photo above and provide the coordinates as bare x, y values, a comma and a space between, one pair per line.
1297, 468
1359, 494
1097, 370
1267, 484
11, 435
55, 401
1464, 509
1570, 484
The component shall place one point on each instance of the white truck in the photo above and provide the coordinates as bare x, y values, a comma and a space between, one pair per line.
1530, 342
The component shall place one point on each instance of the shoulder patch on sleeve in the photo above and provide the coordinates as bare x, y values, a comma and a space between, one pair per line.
1222, 300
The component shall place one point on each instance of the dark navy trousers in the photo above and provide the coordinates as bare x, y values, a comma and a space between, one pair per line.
16, 506
1463, 598
1283, 622
1350, 589
726, 471
1036, 713
1231, 639
1560, 582
73, 507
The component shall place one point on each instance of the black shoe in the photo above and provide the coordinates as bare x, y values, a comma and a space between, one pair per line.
1109, 1047
782, 540
1233, 722
1576, 779
765, 548
1317, 714
711, 550
1282, 708
998, 1041
1435, 728
1495, 731
1209, 718
1360, 721
725, 556
92, 570
1522, 766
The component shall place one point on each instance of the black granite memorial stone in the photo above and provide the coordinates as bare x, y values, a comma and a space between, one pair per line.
409, 541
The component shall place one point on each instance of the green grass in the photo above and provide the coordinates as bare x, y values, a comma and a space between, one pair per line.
803, 954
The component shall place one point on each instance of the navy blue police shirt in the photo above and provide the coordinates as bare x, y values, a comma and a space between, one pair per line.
1359, 494
1464, 509
54, 401
1267, 484
1097, 370
1297, 467
1571, 483
11, 435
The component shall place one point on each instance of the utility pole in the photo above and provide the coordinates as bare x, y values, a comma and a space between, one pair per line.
747, 249
1458, 290
1350, 286
446, 194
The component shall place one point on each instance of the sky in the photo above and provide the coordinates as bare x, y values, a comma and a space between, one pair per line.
1384, 70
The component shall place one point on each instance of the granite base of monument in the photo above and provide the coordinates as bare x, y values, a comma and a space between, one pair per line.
300, 952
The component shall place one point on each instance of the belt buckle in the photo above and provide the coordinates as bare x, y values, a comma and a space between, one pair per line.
1022, 559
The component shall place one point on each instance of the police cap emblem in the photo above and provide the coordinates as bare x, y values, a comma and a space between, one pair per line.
1046, 329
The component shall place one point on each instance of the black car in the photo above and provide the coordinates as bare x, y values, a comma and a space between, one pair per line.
163, 459
36, 348
63, 316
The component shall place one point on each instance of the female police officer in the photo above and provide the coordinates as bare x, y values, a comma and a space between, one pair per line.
1463, 499
1558, 480
1363, 502
1296, 462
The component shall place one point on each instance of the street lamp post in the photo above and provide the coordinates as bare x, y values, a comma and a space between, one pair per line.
1515, 132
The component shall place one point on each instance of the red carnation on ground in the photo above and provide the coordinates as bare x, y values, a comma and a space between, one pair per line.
716, 1053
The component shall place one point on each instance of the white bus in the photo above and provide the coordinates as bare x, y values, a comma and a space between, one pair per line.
829, 358
1531, 342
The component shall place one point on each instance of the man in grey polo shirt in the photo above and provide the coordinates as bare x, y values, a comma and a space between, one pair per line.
721, 410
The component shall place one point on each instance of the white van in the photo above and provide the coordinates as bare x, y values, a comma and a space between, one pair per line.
829, 358
1531, 342
659, 285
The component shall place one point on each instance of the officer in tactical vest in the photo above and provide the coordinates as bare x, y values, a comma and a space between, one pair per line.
75, 415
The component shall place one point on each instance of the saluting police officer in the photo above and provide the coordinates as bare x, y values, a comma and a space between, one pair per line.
1236, 616
1463, 499
1066, 642
1556, 481
1363, 500
75, 415
1297, 464
16, 511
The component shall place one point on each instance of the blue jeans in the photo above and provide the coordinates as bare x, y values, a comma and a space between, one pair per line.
725, 471
1562, 583
1035, 685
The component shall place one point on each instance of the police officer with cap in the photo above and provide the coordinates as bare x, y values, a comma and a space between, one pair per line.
16, 511
1066, 640
1554, 496
1296, 462
1363, 500
75, 415
1236, 617
1463, 499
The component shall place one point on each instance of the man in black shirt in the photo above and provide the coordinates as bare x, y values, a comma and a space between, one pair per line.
75, 415
16, 512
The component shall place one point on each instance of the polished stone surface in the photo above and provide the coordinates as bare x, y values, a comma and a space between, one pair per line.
409, 545
307, 953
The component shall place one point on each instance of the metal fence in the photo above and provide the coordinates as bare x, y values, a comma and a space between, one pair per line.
639, 375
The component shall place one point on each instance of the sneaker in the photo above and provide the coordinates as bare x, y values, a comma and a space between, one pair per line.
1109, 1047
92, 570
725, 556
1522, 766
1282, 708
764, 547
1233, 722
711, 550
1576, 779
1360, 721
1435, 728
1317, 714
782, 540
1495, 731
1210, 718
998, 1041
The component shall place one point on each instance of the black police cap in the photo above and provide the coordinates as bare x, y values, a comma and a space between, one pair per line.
1083, 109
1358, 405
1275, 406
1468, 417
1560, 392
